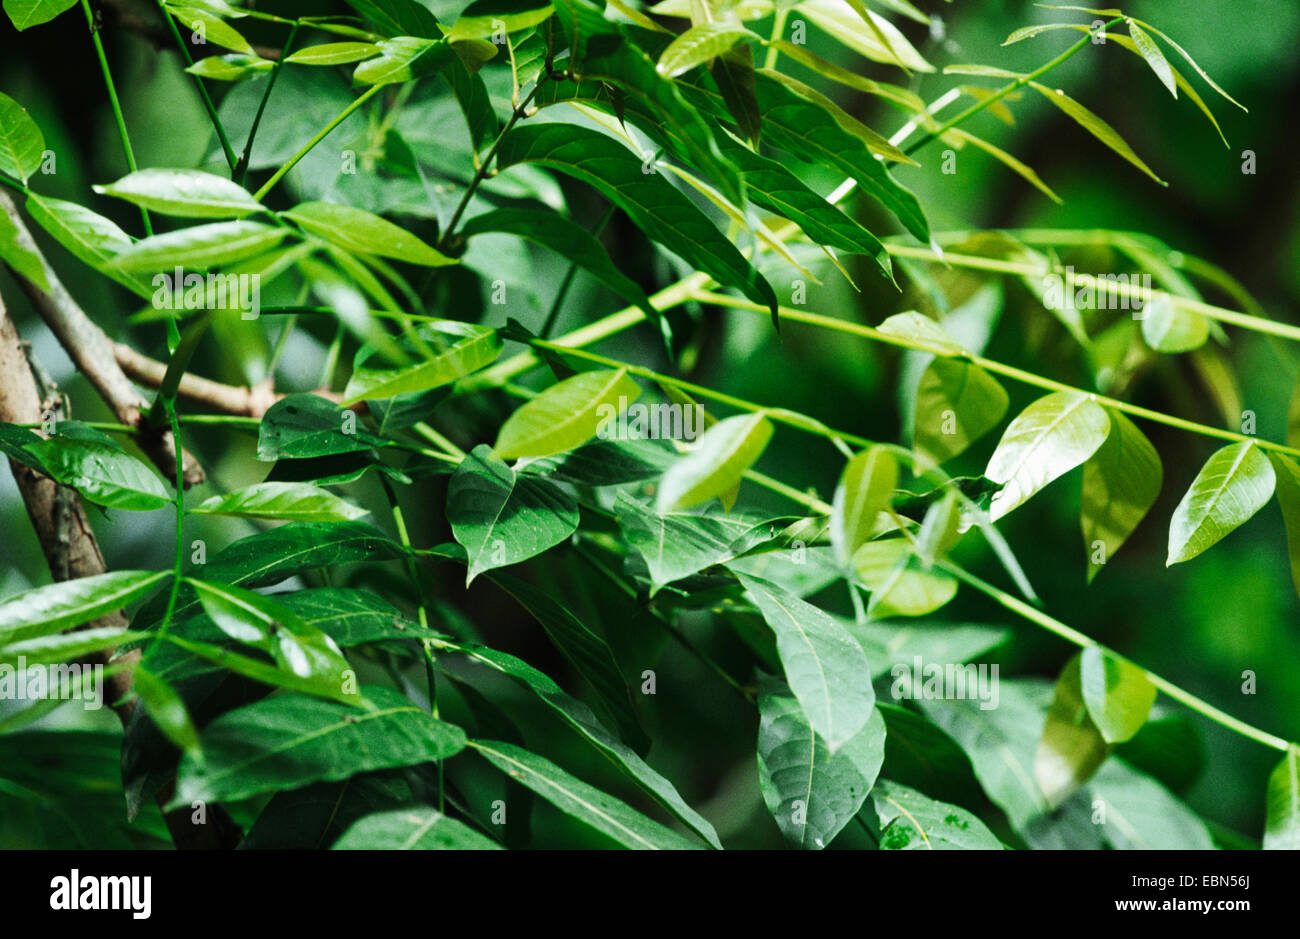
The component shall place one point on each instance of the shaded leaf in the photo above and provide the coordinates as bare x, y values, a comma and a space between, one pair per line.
1120, 484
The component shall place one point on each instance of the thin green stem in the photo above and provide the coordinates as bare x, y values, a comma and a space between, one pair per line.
177, 574
558, 303
208, 106
240, 170
321, 135
1005, 90
1071, 635
116, 105
778, 30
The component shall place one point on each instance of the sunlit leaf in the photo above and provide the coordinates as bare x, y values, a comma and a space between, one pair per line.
1233, 485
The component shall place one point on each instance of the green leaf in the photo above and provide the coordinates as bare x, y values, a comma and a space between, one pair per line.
302, 426
55, 607
27, 13
403, 59
876, 143
186, 193
1046, 440
262, 622
554, 231
733, 73
1190, 61
459, 349
1072, 746
912, 821
103, 473
566, 415
289, 741
579, 717
24, 260
502, 518
574, 797
1120, 484
700, 44
956, 403
211, 27
166, 708
717, 462
1287, 474
1167, 328
921, 332
1117, 693
1148, 49
1282, 827
673, 545
663, 213
866, 489
199, 248
233, 67
771, 186
900, 584
334, 53
62, 647
294, 501
22, 147
317, 816
358, 230
399, 17
419, 828
840, 21
1095, 126
1232, 486
88, 236
824, 665
1141, 814
811, 792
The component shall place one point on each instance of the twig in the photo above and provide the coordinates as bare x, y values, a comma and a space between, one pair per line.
92, 352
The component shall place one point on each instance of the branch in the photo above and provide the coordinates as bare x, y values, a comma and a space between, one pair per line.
92, 352
71, 550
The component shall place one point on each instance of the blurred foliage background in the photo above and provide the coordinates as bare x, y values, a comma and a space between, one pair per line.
1202, 624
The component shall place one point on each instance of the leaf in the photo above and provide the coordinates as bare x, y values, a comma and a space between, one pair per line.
418, 828
921, 332
87, 235
294, 501
199, 248
211, 27
900, 584
303, 426
956, 403
1167, 328
566, 415
674, 546
1072, 747
1095, 126
1117, 693
166, 708
459, 349
55, 607
334, 53
502, 518
554, 231
1190, 61
399, 17
1287, 474
103, 473
289, 741
1006, 159
185, 193
811, 792
297, 647
824, 666
1282, 827
1232, 486
316, 816
61, 647
1046, 440
574, 797
404, 59
579, 717
700, 44
358, 230
839, 20
663, 213
25, 14
873, 141
733, 73
1141, 814
866, 488
716, 463
22, 147
1120, 484
912, 821
1146, 46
